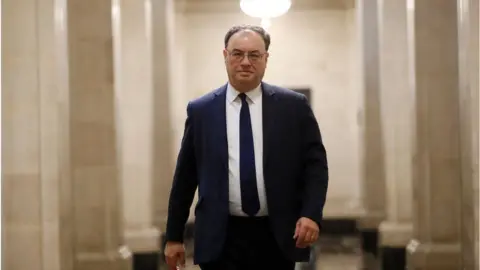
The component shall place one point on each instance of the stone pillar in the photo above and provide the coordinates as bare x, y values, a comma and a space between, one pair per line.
62, 204
135, 119
373, 178
432, 26
469, 73
35, 232
162, 22
398, 111
94, 165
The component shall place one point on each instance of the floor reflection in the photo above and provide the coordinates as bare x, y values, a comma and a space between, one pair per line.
339, 261
324, 262
332, 252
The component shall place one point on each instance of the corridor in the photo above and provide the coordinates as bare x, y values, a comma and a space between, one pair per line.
94, 110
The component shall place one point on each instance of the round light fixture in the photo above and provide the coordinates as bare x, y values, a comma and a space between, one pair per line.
265, 9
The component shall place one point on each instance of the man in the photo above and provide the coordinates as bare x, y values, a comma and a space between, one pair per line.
255, 152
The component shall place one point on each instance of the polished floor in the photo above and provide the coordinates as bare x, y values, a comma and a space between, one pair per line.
325, 262
340, 262
334, 252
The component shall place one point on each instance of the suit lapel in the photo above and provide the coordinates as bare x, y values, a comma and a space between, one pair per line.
268, 115
219, 116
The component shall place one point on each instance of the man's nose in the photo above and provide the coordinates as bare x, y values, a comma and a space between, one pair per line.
245, 60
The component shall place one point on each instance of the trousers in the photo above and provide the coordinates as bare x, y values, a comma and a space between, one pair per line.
250, 245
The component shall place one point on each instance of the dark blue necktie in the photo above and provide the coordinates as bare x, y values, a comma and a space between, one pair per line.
248, 176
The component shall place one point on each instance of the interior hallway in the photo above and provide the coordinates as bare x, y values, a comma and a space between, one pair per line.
93, 106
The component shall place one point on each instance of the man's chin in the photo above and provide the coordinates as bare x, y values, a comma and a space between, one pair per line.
245, 77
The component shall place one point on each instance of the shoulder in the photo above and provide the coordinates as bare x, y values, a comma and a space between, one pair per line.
206, 99
285, 93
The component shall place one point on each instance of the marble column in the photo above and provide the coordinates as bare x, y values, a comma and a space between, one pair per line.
433, 38
35, 232
135, 121
62, 203
469, 73
94, 164
373, 178
163, 143
398, 111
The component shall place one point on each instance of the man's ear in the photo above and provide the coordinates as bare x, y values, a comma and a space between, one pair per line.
225, 54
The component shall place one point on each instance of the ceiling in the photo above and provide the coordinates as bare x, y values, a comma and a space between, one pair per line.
233, 5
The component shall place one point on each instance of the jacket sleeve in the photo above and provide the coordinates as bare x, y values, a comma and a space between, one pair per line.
315, 166
184, 183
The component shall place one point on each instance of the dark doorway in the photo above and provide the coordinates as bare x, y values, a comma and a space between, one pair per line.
306, 92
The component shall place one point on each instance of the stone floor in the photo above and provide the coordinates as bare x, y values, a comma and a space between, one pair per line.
325, 262
340, 262
334, 253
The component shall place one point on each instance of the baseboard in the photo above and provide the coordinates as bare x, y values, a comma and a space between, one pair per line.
143, 240
146, 261
369, 239
393, 258
339, 227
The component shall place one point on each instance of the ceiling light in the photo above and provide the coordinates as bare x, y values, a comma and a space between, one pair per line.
265, 9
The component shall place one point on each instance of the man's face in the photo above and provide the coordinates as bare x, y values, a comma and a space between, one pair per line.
245, 59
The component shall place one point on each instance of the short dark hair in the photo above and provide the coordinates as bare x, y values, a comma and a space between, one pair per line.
259, 30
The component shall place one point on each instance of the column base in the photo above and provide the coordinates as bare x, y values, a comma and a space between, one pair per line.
393, 234
428, 256
143, 240
145, 246
369, 234
370, 221
394, 238
369, 240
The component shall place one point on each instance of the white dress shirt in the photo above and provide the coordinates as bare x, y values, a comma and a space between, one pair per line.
233, 106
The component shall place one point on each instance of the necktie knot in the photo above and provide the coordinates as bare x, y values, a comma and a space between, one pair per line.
243, 97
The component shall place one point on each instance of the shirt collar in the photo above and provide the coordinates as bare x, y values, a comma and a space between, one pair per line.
253, 95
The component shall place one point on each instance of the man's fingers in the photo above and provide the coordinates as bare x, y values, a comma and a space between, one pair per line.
175, 260
308, 236
301, 235
181, 259
315, 236
171, 262
306, 232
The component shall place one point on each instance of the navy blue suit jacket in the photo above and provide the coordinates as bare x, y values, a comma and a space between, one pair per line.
295, 171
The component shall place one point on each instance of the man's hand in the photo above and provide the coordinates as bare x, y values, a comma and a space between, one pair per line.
306, 232
175, 255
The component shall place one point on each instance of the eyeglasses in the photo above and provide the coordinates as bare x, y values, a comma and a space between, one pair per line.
238, 56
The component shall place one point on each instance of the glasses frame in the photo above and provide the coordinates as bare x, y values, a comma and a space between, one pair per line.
247, 54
